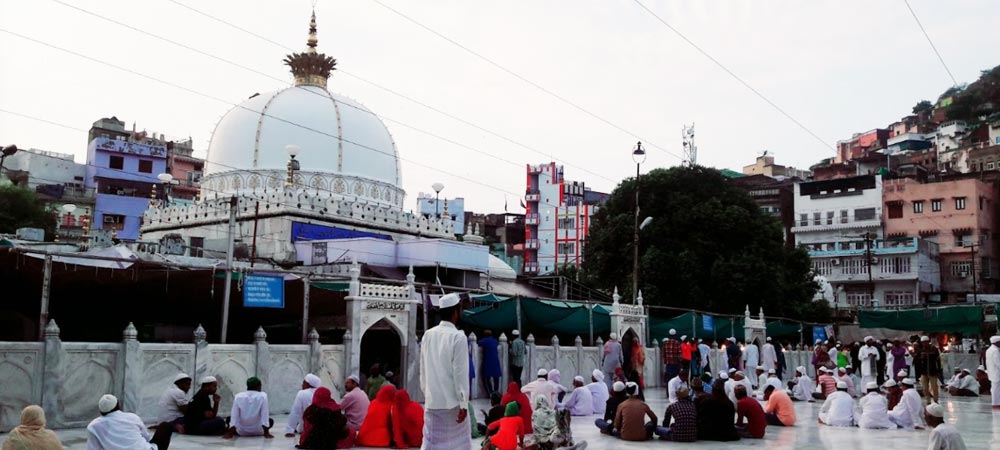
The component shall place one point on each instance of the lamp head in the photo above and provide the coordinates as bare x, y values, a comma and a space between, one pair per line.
638, 153
645, 222
292, 150
9, 150
69, 208
438, 187
166, 178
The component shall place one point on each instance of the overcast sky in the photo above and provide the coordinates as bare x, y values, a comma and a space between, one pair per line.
837, 67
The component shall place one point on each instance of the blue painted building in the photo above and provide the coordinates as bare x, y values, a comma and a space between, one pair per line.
123, 171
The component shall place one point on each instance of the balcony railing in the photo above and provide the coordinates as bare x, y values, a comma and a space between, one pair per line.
878, 247
531, 267
532, 195
836, 223
531, 219
531, 244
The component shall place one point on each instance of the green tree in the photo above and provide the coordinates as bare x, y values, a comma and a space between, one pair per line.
709, 247
922, 106
21, 208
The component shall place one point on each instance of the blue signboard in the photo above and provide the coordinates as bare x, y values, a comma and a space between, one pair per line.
312, 232
264, 291
819, 334
707, 322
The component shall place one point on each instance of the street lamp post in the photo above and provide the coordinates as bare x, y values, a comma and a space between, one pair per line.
438, 187
638, 155
293, 164
166, 180
975, 289
7, 151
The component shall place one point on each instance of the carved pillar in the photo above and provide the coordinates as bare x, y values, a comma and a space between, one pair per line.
201, 355
578, 342
349, 367
556, 354
52, 375
132, 369
315, 352
504, 362
263, 355
655, 363
529, 364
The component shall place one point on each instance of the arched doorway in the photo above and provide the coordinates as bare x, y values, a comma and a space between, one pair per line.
381, 344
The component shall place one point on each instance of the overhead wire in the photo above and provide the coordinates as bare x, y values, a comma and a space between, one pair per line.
931, 42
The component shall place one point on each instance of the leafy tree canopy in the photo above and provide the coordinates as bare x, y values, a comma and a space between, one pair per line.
709, 247
21, 208
979, 99
922, 106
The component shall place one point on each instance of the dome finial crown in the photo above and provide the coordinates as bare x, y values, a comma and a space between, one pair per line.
310, 67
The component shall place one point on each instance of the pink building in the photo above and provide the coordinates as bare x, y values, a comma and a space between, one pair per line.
957, 215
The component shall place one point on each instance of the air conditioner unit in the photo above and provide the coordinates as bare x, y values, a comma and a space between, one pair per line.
835, 261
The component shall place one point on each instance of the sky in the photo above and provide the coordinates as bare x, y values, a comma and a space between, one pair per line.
836, 67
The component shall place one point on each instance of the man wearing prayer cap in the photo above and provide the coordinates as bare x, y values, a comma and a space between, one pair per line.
173, 403
580, 402
943, 436
874, 409
202, 417
838, 410
965, 385
909, 412
355, 403
618, 396
801, 387
984, 380
302, 401
869, 357
671, 356
598, 391
612, 358
927, 361
116, 429
893, 393
541, 386
517, 352
993, 370
768, 355
251, 415
444, 378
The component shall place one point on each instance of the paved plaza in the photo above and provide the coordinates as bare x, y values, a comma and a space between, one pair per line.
979, 426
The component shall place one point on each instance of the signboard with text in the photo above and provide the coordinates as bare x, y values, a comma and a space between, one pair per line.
264, 291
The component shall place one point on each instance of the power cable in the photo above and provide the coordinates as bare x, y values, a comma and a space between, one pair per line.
929, 41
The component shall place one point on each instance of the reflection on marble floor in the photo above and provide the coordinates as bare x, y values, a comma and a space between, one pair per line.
979, 426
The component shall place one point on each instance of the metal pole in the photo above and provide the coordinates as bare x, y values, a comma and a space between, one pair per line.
253, 245
43, 316
518, 307
635, 241
975, 290
590, 314
423, 305
229, 269
437, 201
869, 260
305, 308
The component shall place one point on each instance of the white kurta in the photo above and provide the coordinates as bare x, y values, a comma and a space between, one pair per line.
118, 431
250, 413
703, 352
673, 385
969, 383
768, 357
952, 382
851, 387
866, 354
889, 361
170, 403
803, 388
444, 367
993, 372
751, 359
599, 392
540, 387
874, 412
579, 402
838, 410
945, 437
909, 412
302, 401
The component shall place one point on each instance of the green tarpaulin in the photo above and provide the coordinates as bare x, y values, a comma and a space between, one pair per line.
949, 319
696, 325
339, 286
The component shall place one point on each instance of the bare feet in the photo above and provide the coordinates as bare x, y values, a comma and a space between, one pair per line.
268, 436
289, 435
229, 434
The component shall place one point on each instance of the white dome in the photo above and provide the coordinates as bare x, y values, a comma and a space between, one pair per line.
337, 136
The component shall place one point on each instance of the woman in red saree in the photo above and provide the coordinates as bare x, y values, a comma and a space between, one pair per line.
407, 421
376, 430
514, 394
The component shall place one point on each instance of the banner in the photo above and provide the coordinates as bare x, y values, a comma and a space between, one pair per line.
264, 291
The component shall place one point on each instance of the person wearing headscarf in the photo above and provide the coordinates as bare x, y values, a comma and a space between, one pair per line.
375, 381
116, 429
202, 416
943, 436
598, 391
544, 422
407, 421
508, 432
612, 358
638, 361
355, 403
579, 402
716, 416
31, 434
523, 404
302, 401
556, 382
323, 424
376, 430
250, 415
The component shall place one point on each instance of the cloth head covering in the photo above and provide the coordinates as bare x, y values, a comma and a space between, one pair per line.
723, 375
771, 372
981, 368
386, 394
313, 380
107, 403
888, 344
733, 370
994, 339
841, 385
935, 409
924, 338
869, 338
542, 372
402, 400
890, 383
842, 369
613, 336
819, 341
909, 381
598, 375
871, 385
512, 410
543, 419
554, 375
389, 374
673, 332
182, 376
515, 333
759, 368
740, 373
768, 339
323, 399
31, 434
354, 378
446, 301
684, 337
209, 379
902, 373
578, 379
958, 369
966, 371
618, 386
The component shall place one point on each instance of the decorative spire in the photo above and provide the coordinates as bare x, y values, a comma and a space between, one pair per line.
310, 67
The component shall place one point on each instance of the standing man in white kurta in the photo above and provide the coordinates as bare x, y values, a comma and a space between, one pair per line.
751, 359
444, 379
869, 358
993, 370
768, 357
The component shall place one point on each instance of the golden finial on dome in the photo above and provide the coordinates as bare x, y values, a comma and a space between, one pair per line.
310, 67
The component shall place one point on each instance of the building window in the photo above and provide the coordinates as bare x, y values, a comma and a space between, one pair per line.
829, 218
895, 210
985, 267
145, 166
961, 269
918, 207
116, 162
114, 222
864, 214
936, 205
196, 244
963, 240
567, 224
898, 264
803, 220
817, 219
858, 298
822, 267
567, 248
899, 298
843, 216
959, 202
854, 266
989, 166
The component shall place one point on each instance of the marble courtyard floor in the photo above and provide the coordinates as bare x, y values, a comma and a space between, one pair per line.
979, 426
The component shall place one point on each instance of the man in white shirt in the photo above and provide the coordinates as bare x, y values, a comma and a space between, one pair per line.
751, 358
173, 403
965, 386
802, 387
909, 412
838, 409
118, 430
541, 386
771, 380
302, 401
579, 402
953, 381
250, 415
444, 378
943, 436
869, 357
874, 410
599, 392
768, 357
681, 380
842, 376
737, 378
993, 370
703, 352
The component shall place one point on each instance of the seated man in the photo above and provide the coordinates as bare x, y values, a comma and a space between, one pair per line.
630, 423
541, 386
684, 414
953, 381
598, 391
985, 386
715, 416
801, 387
579, 402
838, 409
943, 436
116, 430
874, 409
779, 410
355, 403
909, 413
965, 386
618, 396
826, 384
173, 403
749, 408
842, 376
302, 401
202, 416
250, 415
675, 383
